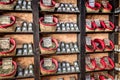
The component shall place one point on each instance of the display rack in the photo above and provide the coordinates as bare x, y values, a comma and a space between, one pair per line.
81, 17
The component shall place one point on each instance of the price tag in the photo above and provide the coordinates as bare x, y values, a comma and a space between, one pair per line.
4, 43
88, 61
96, 76
88, 41
107, 42
107, 23
87, 77
106, 60
7, 63
5, 20
92, 3
47, 41
104, 3
89, 23
47, 62
5, 0
48, 18
97, 21
109, 79
47, 2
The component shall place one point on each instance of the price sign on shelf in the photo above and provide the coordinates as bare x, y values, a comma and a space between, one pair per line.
88, 41
48, 18
7, 63
4, 43
89, 23
47, 2
5, 20
5, 0
104, 3
107, 42
47, 41
87, 77
97, 21
92, 3
47, 62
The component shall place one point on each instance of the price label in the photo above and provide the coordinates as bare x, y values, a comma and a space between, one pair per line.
92, 3
89, 23
47, 62
106, 60
104, 3
48, 18
4, 43
97, 21
47, 2
5, 0
88, 77
47, 41
107, 42
107, 23
88, 41
7, 63
5, 20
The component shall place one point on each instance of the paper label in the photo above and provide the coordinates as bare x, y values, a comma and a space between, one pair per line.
48, 18
89, 23
97, 21
5, 20
88, 41
47, 41
104, 3
106, 60
107, 42
96, 76
5, 0
88, 61
92, 3
47, 62
98, 62
4, 43
88, 77
7, 63
47, 2
107, 23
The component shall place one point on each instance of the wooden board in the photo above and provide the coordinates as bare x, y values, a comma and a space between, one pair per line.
66, 77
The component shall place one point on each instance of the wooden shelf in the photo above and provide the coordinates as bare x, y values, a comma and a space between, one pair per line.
98, 52
57, 54
100, 32
56, 12
17, 56
16, 32
97, 71
100, 13
18, 11
14, 78
57, 74
60, 32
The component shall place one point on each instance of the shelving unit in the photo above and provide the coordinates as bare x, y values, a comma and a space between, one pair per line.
81, 17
